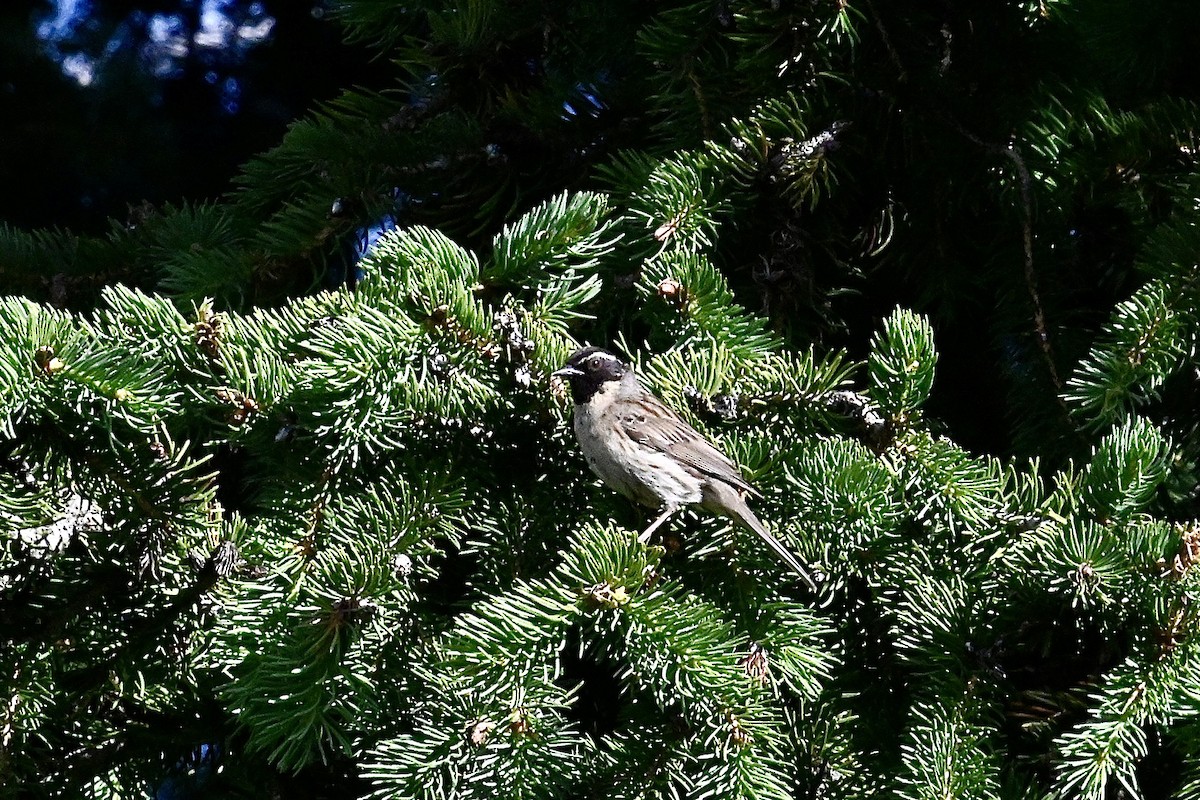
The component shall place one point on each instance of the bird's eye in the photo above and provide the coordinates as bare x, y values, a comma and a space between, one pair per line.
594, 364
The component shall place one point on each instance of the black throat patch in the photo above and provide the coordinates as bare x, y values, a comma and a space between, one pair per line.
597, 367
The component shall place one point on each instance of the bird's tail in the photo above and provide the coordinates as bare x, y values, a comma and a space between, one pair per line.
736, 507
786, 555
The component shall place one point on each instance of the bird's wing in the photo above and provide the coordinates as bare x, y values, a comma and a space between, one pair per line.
651, 424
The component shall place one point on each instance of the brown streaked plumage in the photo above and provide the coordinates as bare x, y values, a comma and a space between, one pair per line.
644, 450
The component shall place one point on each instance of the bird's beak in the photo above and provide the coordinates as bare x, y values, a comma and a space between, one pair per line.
567, 372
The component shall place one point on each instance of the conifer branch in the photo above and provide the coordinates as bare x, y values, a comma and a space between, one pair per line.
1025, 183
380, 563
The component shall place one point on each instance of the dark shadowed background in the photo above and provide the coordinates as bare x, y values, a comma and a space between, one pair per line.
106, 104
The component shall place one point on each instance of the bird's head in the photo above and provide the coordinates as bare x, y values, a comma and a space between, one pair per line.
589, 369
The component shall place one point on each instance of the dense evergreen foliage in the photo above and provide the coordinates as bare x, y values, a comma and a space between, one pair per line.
280, 520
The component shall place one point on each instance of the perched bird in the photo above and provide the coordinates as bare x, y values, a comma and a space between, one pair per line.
644, 450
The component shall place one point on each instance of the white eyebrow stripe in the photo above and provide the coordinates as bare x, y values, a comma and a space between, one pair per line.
603, 354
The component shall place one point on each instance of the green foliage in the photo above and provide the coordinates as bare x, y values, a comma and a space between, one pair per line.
567, 233
1105, 749
946, 757
902, 364
1126, 468
343, 538
696, 306
493, 712
1145, 345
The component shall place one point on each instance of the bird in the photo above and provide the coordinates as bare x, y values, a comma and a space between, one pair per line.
641, 448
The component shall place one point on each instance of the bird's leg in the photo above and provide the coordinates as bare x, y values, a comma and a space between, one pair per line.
644, 536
